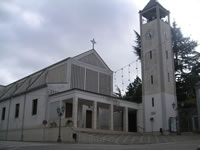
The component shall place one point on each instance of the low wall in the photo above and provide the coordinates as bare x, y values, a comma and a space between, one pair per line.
51, 135
38, 134
2, 135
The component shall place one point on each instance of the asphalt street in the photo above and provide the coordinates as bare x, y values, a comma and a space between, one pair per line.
189, 145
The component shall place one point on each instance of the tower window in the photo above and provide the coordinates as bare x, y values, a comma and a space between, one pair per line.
16, 110
150, 54
34, 106
152, 101
166, 54
3, 113
151, 79
168, 77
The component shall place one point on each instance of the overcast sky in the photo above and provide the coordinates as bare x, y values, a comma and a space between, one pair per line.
37, 33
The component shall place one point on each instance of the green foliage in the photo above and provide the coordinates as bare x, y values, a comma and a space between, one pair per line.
134, 91
137, 47
118, 93
185, 56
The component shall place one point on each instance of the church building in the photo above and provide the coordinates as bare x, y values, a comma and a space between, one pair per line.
75, 95
82, 86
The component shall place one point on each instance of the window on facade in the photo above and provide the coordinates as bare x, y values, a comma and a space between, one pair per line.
68, 110
150, 54
34, 106
168, 77
152, 102
151, 79
16, 110
3, 113
166, 54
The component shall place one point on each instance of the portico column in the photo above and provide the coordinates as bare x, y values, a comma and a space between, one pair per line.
94, 115
111, 116
75, 111
125, 119
80, 122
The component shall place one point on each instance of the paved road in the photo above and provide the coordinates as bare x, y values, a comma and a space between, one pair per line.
189, 145
10, 145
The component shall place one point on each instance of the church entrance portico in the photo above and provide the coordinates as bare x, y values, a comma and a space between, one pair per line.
94, 111
87, 113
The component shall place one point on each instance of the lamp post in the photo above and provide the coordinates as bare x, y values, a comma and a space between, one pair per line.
60, 111
178, 117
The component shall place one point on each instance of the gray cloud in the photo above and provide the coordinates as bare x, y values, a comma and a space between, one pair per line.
35, 34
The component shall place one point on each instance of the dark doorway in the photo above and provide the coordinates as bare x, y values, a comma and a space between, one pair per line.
132, 121
88, 119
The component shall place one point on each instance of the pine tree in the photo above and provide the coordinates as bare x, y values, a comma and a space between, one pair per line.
137, 48
134, 91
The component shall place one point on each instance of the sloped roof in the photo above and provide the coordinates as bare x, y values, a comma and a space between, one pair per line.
30, 82
93, 58
38, 78
152, 4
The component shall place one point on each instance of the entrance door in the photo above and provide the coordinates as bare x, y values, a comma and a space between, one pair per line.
88, 119
132, 121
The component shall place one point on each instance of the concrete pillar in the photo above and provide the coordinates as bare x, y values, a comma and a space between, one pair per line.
80, 121
125, 119
94, 115
75, 111
98, 118
111, 116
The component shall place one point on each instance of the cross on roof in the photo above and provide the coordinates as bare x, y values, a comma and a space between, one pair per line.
93, 42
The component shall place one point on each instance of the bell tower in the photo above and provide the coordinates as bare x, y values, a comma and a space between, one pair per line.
158, 80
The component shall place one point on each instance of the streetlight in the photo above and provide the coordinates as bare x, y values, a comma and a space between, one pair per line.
178, 116
60, 111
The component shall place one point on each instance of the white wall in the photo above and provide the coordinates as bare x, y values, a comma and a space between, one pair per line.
35, 120
161, 112
140, 125
3, 123
15, 124
155, 112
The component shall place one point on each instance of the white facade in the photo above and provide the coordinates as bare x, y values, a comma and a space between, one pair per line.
157, 68
83, 82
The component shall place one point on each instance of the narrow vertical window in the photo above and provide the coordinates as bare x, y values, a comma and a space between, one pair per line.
34, 106
151, 79
16, 110
150, 54
166, 54
152, 102
3, 113
168, 77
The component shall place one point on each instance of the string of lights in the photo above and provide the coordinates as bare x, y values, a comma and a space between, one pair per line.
125, 75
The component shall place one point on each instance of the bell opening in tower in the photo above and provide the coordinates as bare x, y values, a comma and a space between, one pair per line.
154, 10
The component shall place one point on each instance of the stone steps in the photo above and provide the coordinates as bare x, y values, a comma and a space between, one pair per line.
128, 139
